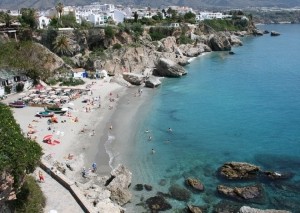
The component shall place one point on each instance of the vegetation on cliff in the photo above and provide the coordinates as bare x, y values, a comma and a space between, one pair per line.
18, 154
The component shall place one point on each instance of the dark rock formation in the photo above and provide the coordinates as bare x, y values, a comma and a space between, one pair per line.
179, 193
238, 170
194, 209
168, 68
158, 203
241, 193
162, 182
195, 184
119, 185
148, 187
271, 175
152, 82
266, 32
257, 32
225, 206
247, 209
139, 187
135, 79
274, 33
219, 42
235, 41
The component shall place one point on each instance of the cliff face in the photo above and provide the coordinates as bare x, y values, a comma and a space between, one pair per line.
145, 53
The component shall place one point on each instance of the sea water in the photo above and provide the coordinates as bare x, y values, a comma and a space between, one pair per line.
243, 107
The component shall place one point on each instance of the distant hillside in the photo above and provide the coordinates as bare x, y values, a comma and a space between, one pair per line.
197, 4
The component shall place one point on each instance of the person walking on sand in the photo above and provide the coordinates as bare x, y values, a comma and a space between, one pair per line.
41, 177
94, 166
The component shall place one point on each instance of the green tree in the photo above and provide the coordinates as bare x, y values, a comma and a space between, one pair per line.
7, 19
18, 155
69, 20
109, 32
136, 16
28, 18
190, 17
59, 9
62, 45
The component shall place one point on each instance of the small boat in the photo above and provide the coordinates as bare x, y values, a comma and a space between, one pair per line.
56, 110
17, 104
45, 114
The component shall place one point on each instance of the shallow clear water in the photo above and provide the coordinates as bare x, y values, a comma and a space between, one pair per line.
242, 107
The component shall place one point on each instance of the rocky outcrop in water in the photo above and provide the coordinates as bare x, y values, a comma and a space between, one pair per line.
274, 33
179, 193
194, 209
271, 175
158, 203
195, 184
168, 68
219, 42
152, 82
238, 170
241, 193
247, 209
118, 186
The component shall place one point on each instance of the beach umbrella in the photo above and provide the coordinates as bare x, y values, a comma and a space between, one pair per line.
36, 99
56, 100
43, 91
64, 97
52, 92
53, 96
47, 137
39, 87
33, 95
67, 90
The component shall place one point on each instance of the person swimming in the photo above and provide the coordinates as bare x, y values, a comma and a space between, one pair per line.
153, 151
170, 130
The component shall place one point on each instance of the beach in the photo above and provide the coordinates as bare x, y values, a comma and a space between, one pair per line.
99, 136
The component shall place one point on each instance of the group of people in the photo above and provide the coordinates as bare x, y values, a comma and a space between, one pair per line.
93, 169
150, 137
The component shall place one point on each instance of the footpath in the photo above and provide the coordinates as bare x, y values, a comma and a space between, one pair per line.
57, 197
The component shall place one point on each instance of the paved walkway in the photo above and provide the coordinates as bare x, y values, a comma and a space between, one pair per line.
57, 197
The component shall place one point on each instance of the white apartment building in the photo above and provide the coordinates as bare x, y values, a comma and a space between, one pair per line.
210, 15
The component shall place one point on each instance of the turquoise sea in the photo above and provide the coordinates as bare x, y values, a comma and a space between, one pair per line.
243, 107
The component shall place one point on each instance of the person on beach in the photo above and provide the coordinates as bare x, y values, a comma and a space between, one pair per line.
93, 132
41, 177
94, 166
147, 130
84, 173
110, 127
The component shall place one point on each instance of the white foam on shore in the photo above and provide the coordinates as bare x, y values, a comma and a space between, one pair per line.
108, 145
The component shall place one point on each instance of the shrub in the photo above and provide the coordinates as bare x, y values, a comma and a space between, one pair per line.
19, 87
30, 198
184, 40
72, 82
117, 46
109, 32
7, 89
158, 33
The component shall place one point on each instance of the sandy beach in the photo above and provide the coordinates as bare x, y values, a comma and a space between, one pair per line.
99, 136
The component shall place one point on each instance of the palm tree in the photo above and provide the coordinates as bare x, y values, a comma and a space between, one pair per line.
59, 8
62, 45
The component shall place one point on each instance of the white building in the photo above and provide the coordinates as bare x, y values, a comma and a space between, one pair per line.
210, 15
96, 19
43, 22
